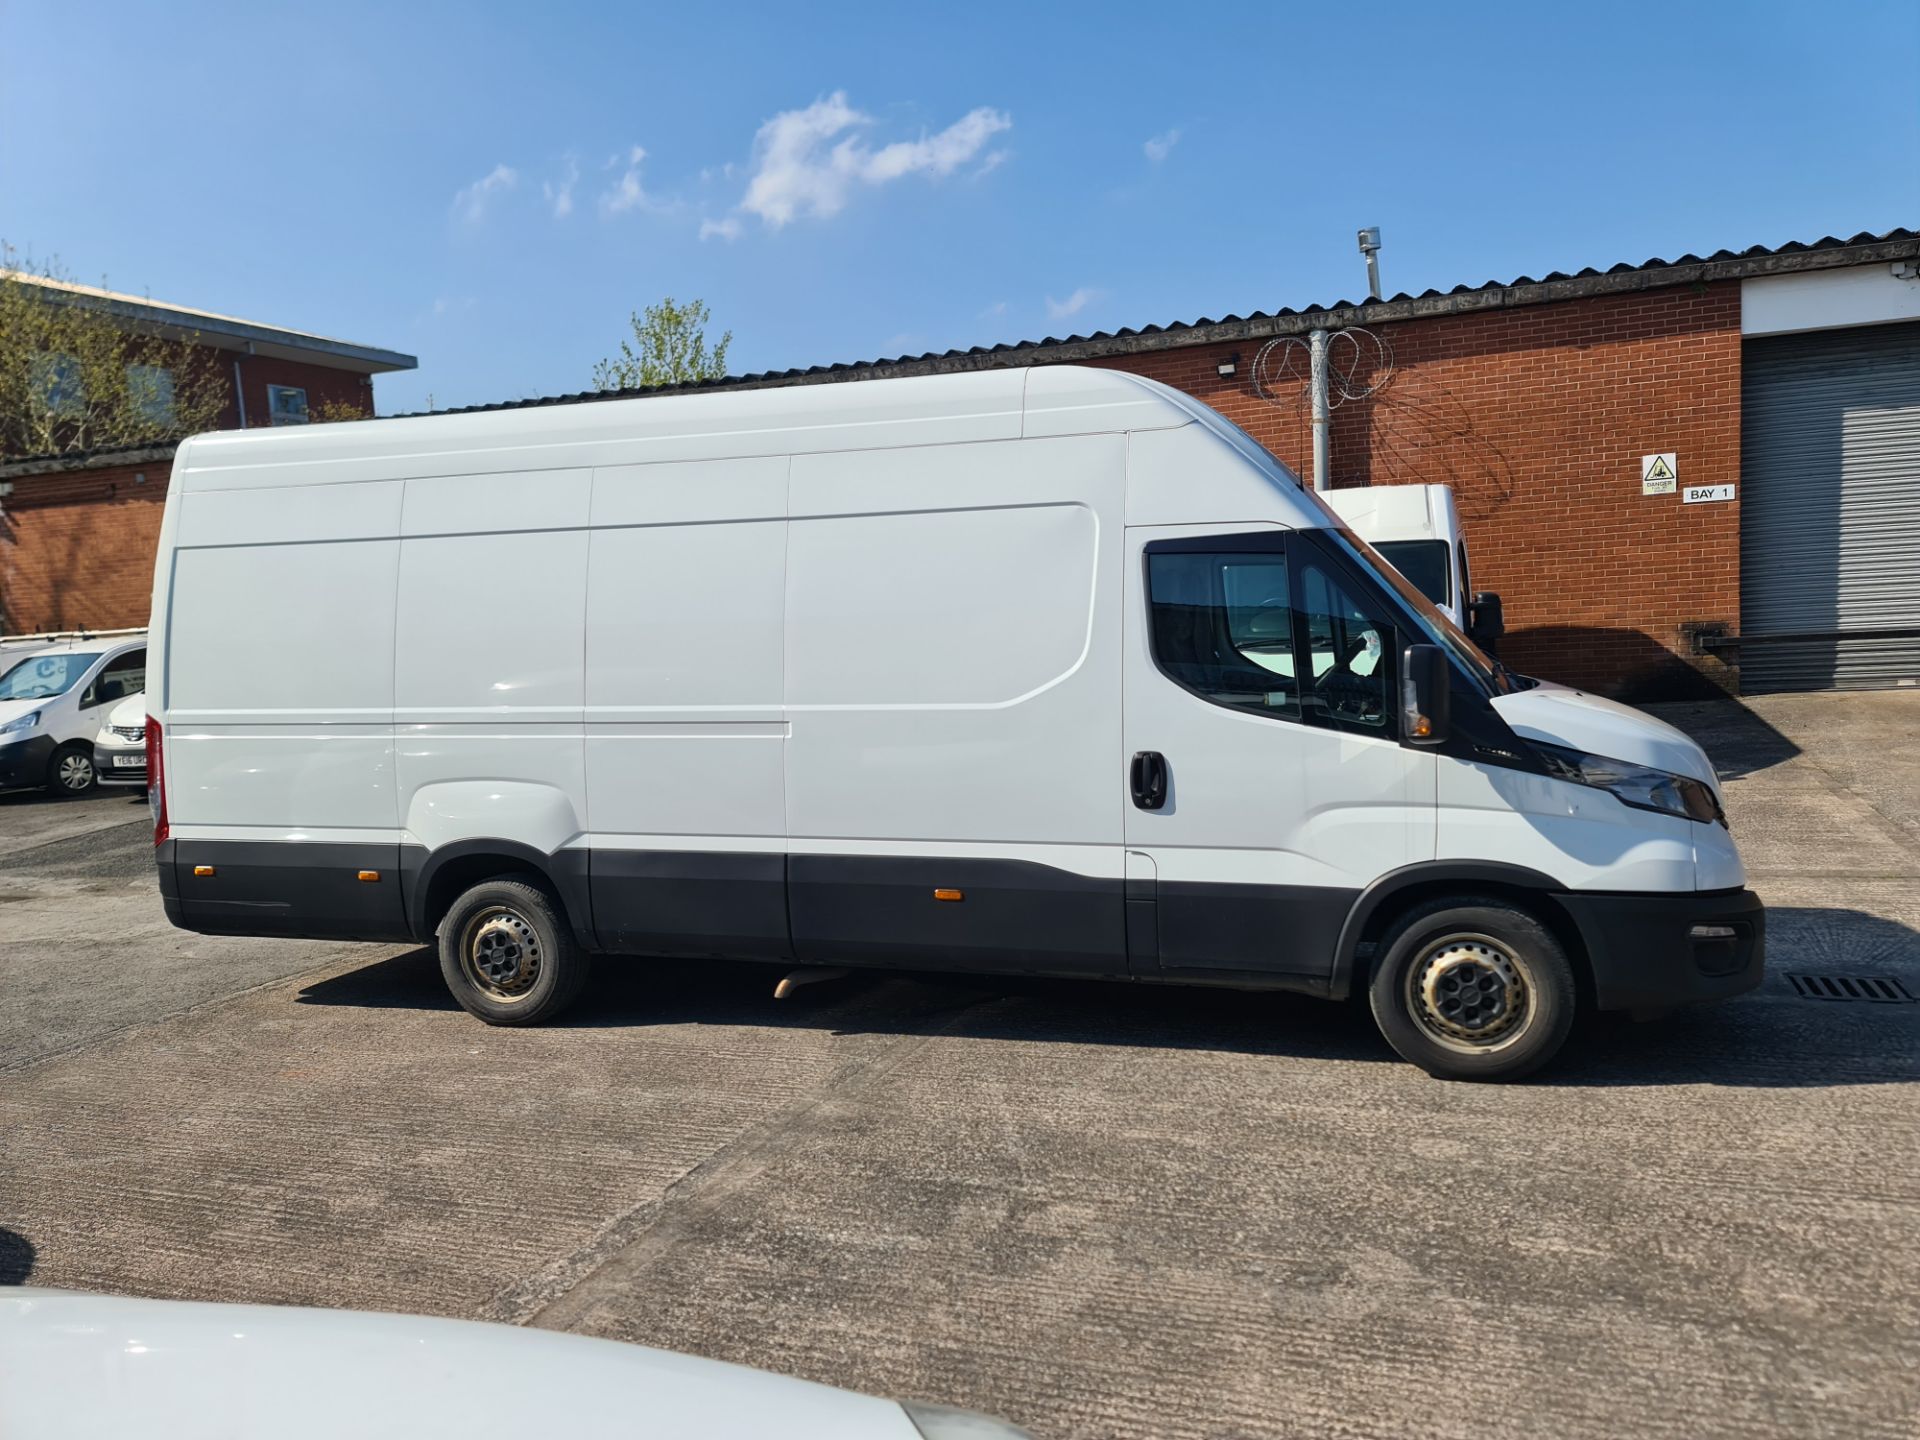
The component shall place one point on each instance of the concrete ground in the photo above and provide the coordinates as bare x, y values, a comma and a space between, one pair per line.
1099, 1211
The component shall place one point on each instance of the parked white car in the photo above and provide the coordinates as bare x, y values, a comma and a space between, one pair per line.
120, 749
74, 1365
55, 693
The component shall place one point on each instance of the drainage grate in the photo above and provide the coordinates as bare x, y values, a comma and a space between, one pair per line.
1850, 987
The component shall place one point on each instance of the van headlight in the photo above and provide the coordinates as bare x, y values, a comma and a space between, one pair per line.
1640, 786
19, 726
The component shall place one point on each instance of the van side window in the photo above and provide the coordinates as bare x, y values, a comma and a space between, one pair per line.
1221, 626
1349, 680
123, 676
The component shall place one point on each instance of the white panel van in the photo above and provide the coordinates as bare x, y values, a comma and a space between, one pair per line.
1050, 671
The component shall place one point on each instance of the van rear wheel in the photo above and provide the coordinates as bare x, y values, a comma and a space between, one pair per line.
507, 955
1473, 989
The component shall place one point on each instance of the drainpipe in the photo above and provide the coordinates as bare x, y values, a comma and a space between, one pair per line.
1322, 412
239, 395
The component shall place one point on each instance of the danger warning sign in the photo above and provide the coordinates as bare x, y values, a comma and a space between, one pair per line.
1659, 474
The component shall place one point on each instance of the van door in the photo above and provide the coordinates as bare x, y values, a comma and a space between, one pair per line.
1266, 781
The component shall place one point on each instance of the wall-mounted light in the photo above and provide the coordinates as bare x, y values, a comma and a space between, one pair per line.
1230, 366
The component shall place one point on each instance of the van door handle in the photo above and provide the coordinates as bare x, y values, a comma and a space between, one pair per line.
1149, 776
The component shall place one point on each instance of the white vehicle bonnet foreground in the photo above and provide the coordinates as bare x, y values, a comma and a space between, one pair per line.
75, 1365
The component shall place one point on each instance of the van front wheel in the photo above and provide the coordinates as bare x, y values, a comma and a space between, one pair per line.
508, 956
71, 770
1473, 989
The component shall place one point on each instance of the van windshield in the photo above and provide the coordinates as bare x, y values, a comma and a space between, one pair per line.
39, 677
1424, 562
1440, 628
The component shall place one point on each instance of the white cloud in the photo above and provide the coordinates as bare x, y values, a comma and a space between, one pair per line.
727, 229
627, 192
994, 311
1072, 305
806, 161
560, 196
1161, 146
471, 203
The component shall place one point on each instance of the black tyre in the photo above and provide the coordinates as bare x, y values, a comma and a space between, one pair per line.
1473, 989
71, 771
507, 955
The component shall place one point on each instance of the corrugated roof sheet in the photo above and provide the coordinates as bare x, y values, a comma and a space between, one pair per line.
1556, 285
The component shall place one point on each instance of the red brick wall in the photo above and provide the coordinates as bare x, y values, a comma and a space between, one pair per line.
1538, 416
322, 383
76, 549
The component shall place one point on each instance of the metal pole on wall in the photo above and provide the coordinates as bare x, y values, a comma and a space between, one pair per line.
1322, 411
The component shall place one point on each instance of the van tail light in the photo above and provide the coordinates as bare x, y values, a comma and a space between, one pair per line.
156, 781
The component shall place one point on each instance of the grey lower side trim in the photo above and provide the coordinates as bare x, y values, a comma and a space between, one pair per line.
654, 902
304, 890
1014, 916
1289, 929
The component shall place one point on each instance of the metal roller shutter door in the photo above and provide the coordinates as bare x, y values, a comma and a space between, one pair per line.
1830, 510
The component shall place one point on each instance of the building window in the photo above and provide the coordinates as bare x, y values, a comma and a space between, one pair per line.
286, 405
150, 391
57, 382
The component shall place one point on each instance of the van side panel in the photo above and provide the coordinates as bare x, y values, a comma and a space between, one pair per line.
488, 707
686, 729
953, 691
278, 678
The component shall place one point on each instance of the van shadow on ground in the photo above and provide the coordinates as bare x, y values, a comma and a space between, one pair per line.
1637, 667
1771, 1040
1739, 741
16, 1257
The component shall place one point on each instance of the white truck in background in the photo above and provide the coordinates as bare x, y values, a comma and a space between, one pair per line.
1417, 528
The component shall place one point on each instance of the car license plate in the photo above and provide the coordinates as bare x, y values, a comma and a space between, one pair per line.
129, 762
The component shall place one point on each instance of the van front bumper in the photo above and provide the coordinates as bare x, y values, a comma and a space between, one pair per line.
108, 771
23, 764
1654, 951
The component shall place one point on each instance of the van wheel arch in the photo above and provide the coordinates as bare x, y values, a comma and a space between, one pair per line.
445, 874
1394, 894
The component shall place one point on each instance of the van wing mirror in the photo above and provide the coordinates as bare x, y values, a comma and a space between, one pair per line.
1486, 620
1426, 695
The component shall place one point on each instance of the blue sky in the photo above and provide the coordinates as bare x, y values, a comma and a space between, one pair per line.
846, 182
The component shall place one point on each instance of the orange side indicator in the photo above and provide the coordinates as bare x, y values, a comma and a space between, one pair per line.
949, 894
203, 869
371, 877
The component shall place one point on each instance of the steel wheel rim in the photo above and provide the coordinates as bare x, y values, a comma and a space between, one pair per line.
501, 954
76, 772
1470, 993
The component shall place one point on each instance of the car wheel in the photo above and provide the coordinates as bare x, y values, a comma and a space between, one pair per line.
507, 955
1473, 989
71, 770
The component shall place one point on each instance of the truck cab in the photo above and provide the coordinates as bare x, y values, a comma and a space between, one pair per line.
1417, 529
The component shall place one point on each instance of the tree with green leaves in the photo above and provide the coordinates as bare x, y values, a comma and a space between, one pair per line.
76, 377
669, 347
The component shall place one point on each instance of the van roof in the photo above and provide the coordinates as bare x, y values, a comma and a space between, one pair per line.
924, 410
14, 647
1395, 512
